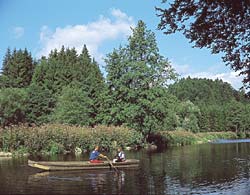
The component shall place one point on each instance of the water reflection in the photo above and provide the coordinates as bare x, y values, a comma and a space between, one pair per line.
202, 169
198, 169
91, 182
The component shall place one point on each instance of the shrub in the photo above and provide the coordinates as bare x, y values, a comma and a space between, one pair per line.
56, 138
182, 137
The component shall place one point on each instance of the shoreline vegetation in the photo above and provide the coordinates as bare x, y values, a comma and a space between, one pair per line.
62, 139
139, 98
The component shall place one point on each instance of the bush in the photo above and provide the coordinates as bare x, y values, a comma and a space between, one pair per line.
211, 136
57, 138
241, 135
182, 137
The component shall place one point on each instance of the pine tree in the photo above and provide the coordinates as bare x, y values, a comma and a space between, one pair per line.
39, 105
6, 61
12, 106
18, 68
66, 68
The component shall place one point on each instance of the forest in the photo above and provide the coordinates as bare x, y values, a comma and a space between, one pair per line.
140, 91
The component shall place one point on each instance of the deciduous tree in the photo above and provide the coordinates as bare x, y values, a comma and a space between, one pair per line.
222, 26
137, 77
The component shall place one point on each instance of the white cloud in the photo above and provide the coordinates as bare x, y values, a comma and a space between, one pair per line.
18, 32
217, 71
229, 77
121, 15
180, 69
92, 34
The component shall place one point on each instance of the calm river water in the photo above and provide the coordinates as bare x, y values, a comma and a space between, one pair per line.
222, 168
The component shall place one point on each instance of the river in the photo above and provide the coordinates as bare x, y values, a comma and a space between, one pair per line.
215, 168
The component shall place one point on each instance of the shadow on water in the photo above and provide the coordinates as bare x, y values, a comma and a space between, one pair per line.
197, 169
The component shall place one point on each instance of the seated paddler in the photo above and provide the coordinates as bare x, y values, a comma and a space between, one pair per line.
95, 156
120, 156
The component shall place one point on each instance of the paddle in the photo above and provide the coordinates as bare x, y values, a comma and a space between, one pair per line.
111, 164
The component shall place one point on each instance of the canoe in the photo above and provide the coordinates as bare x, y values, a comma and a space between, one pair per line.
81, 165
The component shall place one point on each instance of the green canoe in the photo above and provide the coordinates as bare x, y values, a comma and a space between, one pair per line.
81, 165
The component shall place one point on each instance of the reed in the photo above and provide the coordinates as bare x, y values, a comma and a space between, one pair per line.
58, 138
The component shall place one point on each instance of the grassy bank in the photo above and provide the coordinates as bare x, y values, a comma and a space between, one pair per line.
64, 138
57, 138
181, 138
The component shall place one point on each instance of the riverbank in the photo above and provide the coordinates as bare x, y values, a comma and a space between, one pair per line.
181, 138
58, 138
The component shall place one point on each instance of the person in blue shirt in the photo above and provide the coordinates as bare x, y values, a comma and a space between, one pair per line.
95, 154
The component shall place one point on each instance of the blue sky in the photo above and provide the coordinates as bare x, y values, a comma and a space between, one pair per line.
42, 25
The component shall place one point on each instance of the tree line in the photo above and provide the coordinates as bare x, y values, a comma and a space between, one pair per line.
67, 87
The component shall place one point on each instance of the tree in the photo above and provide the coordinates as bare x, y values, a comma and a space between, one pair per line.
92, 82
207, 91
66, 68
7, 60
137, 79
235, 112
222, 26
188, 116
72, 107
12, 106
18, 68
39, 105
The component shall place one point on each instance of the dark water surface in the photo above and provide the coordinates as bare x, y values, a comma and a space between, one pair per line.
199, 169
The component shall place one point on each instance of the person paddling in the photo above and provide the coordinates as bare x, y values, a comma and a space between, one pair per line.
95, 155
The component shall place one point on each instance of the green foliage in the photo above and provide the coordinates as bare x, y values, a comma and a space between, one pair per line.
12, 139
211, 136
72, 107
235, 112
66, 68
12, 106
204, 91
221, 107
21, 150
137, 75
55, 138
69, 88
212, 117
39, 105
18, 68
181, 138
54, 148
188, 115
217, 25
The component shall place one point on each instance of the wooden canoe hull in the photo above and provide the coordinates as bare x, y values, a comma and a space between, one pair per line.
81, 165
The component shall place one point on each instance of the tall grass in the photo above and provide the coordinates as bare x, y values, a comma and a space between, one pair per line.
181, 138
58, 138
